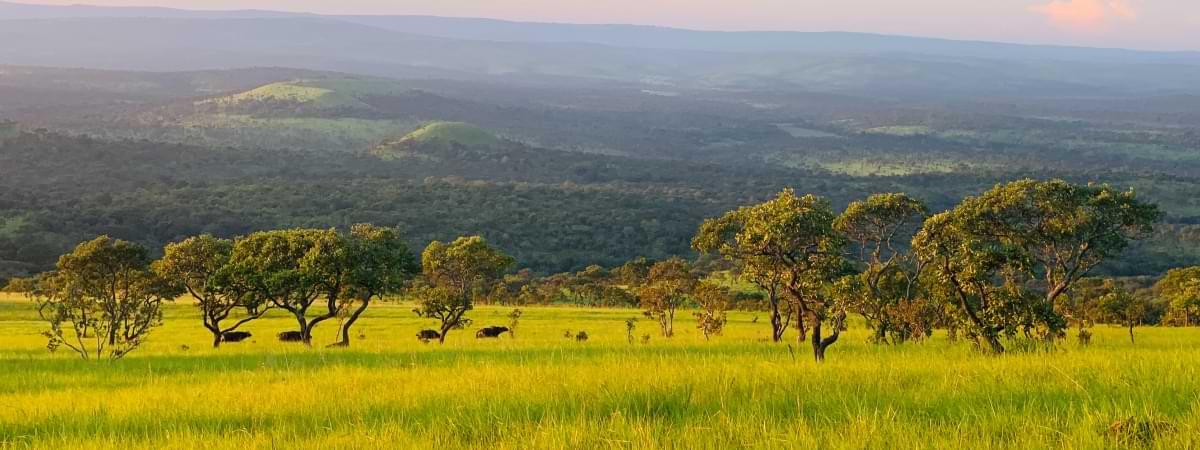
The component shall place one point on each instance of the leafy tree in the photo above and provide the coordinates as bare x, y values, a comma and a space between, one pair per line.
1123, 307
786, 246
376, 261
278, 267
196, 264
19, 285
887, 291
714, 302
1060, 230
633, 271
102, 299
453, 276
1181, 289
666, 288
973, 278
1003, 258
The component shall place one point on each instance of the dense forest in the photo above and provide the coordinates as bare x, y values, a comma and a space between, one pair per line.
561, 177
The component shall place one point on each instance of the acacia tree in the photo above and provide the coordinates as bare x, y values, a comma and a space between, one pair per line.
713, 301
887, 290
666, 288
277, 267
972, 277
1181, 289
1061, 230
786, 246
1120, 306
196, 265
102, 299
1004, 257
453, 276
372, 262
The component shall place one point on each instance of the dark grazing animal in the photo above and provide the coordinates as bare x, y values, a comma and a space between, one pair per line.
490, 332
581, 337
428, 335
235, 336
291, 336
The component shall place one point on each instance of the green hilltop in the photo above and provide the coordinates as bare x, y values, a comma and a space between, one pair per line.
444, 133
334, 93
437, 138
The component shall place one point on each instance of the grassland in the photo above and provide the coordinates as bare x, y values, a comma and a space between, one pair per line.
541, 390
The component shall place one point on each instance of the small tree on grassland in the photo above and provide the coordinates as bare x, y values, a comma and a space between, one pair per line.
1118, 305
102, 299
787, 247
667, 287
276, 267
713, 301
453, 275
376, 261
514, 319
196, 264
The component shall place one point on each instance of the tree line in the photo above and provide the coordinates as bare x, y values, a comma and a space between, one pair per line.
1013, 262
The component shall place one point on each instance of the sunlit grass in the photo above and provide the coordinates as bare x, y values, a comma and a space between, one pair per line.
541, 390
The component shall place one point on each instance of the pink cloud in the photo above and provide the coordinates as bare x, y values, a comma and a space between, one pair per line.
1085, 14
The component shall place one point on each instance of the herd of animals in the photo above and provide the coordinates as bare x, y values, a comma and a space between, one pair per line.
424, 335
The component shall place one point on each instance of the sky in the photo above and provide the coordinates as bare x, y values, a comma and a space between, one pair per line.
1141, 24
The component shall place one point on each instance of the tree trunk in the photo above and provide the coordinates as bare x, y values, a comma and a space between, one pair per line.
444, 329
345, 342
881, 330
1131, 341
818, 349
819, 343
305, 332
215, 329
801, 327
993, 343
776, 320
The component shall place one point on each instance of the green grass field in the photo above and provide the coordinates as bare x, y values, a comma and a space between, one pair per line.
541, 390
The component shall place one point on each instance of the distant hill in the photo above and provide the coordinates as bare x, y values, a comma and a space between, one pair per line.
652, 37
635, 36
574, 55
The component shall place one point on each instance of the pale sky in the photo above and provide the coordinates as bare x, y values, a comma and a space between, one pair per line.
1143, 24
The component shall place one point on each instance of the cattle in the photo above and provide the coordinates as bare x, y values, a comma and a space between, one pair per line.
428, 335
235, 336
291, 336
581, 337
490, 332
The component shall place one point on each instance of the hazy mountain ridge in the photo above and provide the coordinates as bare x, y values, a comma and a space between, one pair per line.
480, 49
637, 36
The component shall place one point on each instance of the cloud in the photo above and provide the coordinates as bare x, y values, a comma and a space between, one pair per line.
1086, 14
1122, 9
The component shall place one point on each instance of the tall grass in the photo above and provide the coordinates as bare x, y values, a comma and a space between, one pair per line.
541, 390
